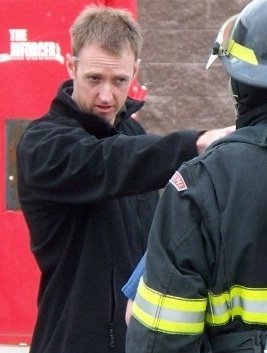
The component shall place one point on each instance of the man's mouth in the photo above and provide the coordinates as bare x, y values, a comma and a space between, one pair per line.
104, 108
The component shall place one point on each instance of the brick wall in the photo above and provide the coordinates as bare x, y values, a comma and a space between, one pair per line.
178, 38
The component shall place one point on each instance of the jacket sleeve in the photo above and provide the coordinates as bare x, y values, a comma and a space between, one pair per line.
66, 164
169, 309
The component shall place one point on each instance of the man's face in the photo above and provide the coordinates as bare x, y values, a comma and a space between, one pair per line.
101, 80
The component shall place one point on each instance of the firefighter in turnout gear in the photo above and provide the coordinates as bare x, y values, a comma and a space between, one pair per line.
205, 284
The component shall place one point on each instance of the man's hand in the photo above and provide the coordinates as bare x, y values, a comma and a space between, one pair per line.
210, 136
128, 312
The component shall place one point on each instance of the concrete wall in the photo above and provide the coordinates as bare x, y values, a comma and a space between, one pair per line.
178, 39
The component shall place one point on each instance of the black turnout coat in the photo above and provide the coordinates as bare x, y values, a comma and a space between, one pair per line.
206, 273
87, 191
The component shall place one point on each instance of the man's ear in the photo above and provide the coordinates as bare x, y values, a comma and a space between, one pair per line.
136, 67
70, 64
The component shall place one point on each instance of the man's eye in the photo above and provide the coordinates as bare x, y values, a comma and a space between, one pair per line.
121, 80
93, 78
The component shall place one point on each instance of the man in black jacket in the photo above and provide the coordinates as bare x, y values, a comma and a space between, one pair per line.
205, 283
87, 181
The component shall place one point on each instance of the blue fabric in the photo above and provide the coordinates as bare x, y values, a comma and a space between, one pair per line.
130, 288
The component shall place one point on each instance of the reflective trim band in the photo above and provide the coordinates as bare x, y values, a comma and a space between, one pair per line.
242, 53
249, 304
169, 314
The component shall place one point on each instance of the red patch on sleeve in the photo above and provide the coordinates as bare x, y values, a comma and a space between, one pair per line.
178, 182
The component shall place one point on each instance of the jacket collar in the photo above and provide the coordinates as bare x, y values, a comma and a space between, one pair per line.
63, 104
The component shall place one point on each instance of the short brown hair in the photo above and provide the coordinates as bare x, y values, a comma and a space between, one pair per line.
112, 28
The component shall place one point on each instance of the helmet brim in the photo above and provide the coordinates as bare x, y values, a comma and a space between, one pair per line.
254, 75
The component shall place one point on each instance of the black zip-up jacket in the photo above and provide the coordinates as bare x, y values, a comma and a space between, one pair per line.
206, 265
86, 191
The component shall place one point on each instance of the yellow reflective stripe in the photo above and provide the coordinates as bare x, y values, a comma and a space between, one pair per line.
249, 293
165, 325
171, 302
169, 314
214, 320
250, 304
219, 299
240, 52
249, 317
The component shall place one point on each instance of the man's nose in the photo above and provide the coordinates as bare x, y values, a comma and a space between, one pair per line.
105, 93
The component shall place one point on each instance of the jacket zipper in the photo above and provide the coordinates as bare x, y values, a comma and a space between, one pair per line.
112, 311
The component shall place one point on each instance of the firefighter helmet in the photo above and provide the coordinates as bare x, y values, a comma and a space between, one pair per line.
241, 45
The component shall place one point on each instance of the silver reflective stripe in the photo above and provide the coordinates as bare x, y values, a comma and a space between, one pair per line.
250, 304
259, 306
167, 313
